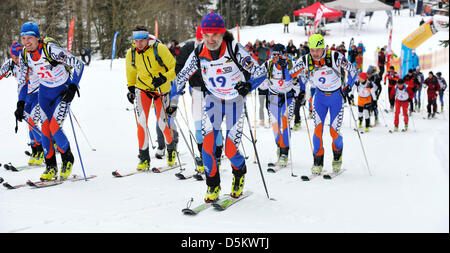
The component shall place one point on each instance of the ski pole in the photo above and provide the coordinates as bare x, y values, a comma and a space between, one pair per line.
187, 119
185, 140
307, 128
168, 125
76, 142
362, 146
256, 152
137, 125
87, 140
289, 133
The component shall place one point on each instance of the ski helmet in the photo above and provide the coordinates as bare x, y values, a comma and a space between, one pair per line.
278, 49
316, 41
363, 76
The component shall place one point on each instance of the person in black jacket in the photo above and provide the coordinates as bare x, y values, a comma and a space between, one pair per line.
197, 89
86, 53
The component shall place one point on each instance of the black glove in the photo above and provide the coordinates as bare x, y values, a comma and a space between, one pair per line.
131, 95
243, 88
158, 81
282, 62
301, 98
171, 110
19, 111
346, 90
68, 94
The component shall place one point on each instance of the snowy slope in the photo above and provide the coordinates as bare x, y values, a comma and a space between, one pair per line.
407, 192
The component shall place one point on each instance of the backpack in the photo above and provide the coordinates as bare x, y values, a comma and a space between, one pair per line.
270, 68
232, 54
45, 43
155, 51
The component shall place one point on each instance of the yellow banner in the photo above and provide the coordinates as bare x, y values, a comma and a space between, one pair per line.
420, 35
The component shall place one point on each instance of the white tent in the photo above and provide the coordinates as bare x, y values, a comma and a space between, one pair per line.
358, 5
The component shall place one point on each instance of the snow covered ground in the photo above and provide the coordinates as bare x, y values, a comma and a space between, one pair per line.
407, 192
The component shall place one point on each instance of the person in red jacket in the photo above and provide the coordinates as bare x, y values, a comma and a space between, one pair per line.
397, 6
412, 81
401, 93
433, 88
392, 77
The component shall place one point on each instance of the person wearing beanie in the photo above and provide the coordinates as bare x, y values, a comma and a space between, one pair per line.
433, 88
412, 81
282, 92
375, 79
51, 66
401, 93
392, 78
27, 105
197, 89
418, 93
150, 70
442, 88
229, 73
323, 68
366, 95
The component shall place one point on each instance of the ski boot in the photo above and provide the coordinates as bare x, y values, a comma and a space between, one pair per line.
406, 128
199, 163
237, 186
366, 129
283, 158
396, 129
171, 156
337, 161
51, 169
442, 108
318, 165
160, 152
144, 160
360, 124
39, 157
32, 160
67, 164
297, 126
212, 194
433, 114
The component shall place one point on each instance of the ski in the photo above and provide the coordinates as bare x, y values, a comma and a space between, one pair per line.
1, 180
117, 174
196, 210
276, 168
166, 168
311, 176
12, 187
333, 174
10, 167
27, 153
72, 178
228, 201
200, 177
180, 175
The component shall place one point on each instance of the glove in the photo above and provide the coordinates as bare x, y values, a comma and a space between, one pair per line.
243, 88
301, 98
68, 94
171, 110
346, 90
19, 111
131, 95
282, 62
158, 81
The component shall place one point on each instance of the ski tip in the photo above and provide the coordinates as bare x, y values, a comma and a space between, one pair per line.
187, 211
156, 170
305, 178
180, 176
116, 174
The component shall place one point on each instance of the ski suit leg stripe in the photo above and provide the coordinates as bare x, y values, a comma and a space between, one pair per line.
336, 118
161, 118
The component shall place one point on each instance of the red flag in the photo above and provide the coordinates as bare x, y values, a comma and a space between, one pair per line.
70, 36
237, 29
156, 28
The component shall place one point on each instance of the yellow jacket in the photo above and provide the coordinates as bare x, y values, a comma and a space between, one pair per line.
286, 20
148, 67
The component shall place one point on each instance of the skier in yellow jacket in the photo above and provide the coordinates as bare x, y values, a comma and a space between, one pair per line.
150, 71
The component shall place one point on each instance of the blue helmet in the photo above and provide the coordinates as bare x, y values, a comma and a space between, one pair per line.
30, 28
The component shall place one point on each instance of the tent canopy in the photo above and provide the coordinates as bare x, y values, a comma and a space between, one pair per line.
311, 11
359, 5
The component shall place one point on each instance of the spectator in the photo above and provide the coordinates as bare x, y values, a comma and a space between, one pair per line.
86, 53
389, 22
263, 52
381, 61
286, 20
412, 7
291, 49
414, 60
397, 6
442, 86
